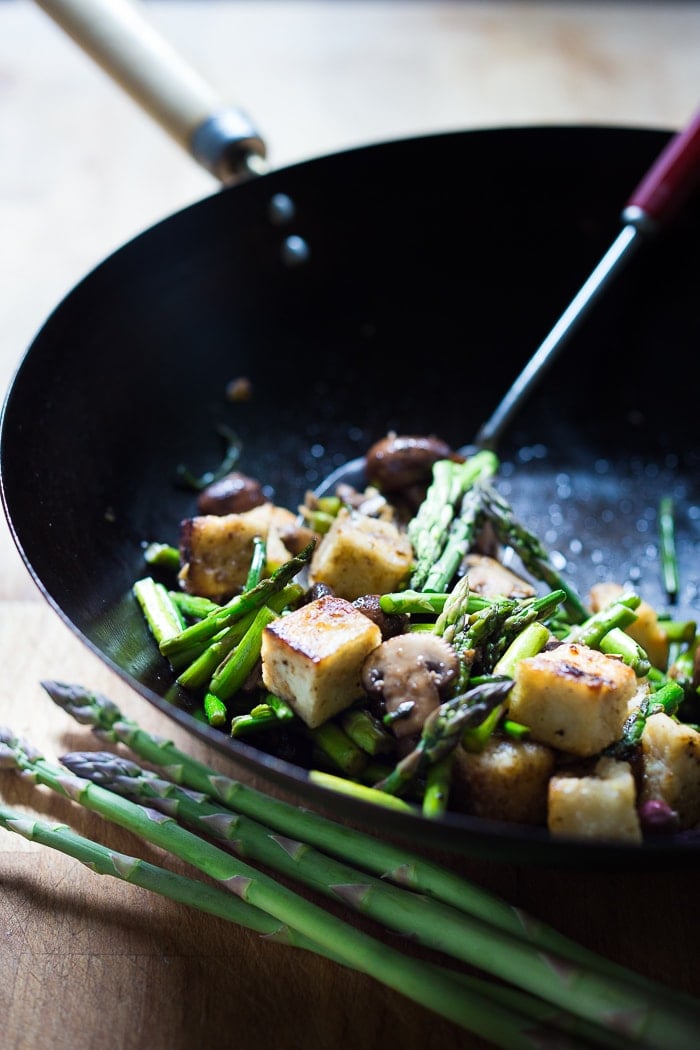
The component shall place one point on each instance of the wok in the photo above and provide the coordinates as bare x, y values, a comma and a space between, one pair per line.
434, 265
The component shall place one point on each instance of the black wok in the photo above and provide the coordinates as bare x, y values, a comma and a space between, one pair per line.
457, 250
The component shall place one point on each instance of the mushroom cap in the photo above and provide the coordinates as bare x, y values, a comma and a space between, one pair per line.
413, 671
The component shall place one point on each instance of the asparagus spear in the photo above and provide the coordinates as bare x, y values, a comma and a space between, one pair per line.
367, 793
664, 700
669, 555
200, 671
528, 642
436, 926
105, 861
442, 731
527, 612
527, 546
618, 613
193, 605
428, 529
424, 602
470, 633
436, 989
458, 541
380, 857
454, 615
224, 905
413, 602
160, 612
202, 632
257, 563
367, 731
233, 670
437, 786
604, 630
162, 556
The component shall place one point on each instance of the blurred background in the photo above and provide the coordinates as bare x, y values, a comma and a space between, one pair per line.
82, 169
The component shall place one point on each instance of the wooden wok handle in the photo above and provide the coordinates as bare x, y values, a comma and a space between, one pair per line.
119, 38
669, 181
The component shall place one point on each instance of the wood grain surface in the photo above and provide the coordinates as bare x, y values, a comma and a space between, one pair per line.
86, 962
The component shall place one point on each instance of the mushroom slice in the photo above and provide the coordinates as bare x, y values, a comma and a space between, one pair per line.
492, 578
412, 672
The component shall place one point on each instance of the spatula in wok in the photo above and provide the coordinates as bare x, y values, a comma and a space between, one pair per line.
654, 203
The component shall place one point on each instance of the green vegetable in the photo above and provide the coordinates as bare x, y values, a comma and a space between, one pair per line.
669, 556
379, 857
429, 529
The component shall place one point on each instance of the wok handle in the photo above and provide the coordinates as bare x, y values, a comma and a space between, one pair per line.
669, 181
116, 35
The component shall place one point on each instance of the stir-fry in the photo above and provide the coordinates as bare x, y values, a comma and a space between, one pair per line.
413, 643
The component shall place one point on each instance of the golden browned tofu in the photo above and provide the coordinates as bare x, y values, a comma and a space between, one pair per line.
490, 577
507, 780
646, 629
671, 767
572, 698
216, 550
600, 806
313, 657
361, 555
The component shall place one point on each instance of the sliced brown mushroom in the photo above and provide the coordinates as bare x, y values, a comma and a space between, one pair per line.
390, 624
411, 674
399, 461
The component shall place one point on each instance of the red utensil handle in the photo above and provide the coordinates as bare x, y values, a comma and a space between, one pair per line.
669, 181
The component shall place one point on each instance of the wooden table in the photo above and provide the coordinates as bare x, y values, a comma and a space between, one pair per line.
88, 962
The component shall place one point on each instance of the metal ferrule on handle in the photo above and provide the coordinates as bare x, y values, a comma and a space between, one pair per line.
117, 36
654, 203
668, 183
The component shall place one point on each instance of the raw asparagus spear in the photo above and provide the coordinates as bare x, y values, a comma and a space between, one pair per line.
436, 989
378, 856
427, 922
105, 861
224, 905
430, 924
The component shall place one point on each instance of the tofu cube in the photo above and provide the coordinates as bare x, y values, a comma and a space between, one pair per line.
490, 577
216, 550
671, 767
361, 555
602, 805
507, 780
572, 697
313, 657
646, 629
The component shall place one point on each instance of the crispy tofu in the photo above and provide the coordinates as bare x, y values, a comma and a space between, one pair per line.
572, 698
602, 805
671, 767
361, 555
490, 577
216, 550
507, 780
646, 629
313, 657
